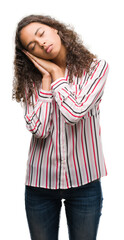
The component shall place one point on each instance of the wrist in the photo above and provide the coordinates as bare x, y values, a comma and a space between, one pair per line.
46, 83
57, 73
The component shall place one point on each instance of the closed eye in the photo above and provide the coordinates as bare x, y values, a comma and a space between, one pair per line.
33, 47
35, 44
42, 33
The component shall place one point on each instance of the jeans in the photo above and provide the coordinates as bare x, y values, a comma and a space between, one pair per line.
83, 207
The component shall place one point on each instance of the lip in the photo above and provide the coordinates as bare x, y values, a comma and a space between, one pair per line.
49, 48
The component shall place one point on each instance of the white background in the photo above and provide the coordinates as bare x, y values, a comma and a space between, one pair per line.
101, 25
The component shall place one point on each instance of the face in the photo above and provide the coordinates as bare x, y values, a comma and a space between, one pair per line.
36, 37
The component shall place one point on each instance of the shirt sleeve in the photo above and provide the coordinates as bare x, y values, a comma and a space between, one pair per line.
38, 117
74, 105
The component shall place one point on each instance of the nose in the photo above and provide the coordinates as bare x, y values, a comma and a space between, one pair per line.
41, 44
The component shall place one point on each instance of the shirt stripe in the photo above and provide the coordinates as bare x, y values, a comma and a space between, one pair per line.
66, 148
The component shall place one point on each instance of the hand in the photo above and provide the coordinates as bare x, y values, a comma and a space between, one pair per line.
46, 67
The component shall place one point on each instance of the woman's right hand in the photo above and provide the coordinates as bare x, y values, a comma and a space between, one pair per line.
37, 65
46, 80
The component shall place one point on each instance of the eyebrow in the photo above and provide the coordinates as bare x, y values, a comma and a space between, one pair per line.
35, 34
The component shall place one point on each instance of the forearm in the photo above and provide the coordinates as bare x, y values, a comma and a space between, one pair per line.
46, 80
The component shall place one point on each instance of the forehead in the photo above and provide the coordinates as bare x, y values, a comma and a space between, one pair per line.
33, 26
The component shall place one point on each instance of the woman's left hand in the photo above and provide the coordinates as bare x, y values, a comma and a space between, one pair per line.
54, 70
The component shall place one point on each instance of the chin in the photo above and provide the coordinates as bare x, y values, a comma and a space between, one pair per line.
55, 55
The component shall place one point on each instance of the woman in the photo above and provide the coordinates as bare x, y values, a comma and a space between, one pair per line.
60, 84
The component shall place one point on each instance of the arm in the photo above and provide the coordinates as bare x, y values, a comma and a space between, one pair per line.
74, 106
38, 118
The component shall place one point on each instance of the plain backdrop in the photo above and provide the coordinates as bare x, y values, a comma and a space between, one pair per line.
100, 24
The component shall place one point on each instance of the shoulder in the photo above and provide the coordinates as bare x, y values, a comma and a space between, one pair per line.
99, 64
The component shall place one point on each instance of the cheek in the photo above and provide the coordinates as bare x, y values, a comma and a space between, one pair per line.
58, 43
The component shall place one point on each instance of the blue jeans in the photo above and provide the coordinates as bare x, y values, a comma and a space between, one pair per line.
83, 206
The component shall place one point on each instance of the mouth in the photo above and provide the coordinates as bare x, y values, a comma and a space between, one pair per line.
49, 49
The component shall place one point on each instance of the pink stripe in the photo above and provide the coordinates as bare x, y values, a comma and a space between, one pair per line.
66, 179
45, 119
84, 152
34, 126
56, 82
60, 96
63, 149
38, 165
74, 156
30, 164
56, 143
105, 166
66, 91
48, 162
35, 163
93, 147
89, 146
95, 70
83, 77
28, 118
67, 77
46, 93
99, 130
31, 115
39, 107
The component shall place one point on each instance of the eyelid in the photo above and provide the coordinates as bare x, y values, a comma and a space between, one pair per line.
35, 43
42, 33
33, 46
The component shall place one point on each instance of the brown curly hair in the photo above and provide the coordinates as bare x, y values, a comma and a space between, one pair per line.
26, 74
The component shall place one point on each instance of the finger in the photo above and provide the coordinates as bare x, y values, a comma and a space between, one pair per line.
28, 55
39, 61
24, 51
36, 63
39, 67
32, 56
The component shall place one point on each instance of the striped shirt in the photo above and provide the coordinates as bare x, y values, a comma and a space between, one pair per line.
66, 149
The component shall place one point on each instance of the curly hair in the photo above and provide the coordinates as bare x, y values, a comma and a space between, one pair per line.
27, 75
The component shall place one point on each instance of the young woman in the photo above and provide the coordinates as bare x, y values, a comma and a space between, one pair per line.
60, 84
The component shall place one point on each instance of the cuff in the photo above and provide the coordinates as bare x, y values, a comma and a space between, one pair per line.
29, 116
61, 87
58, 84
45, 96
